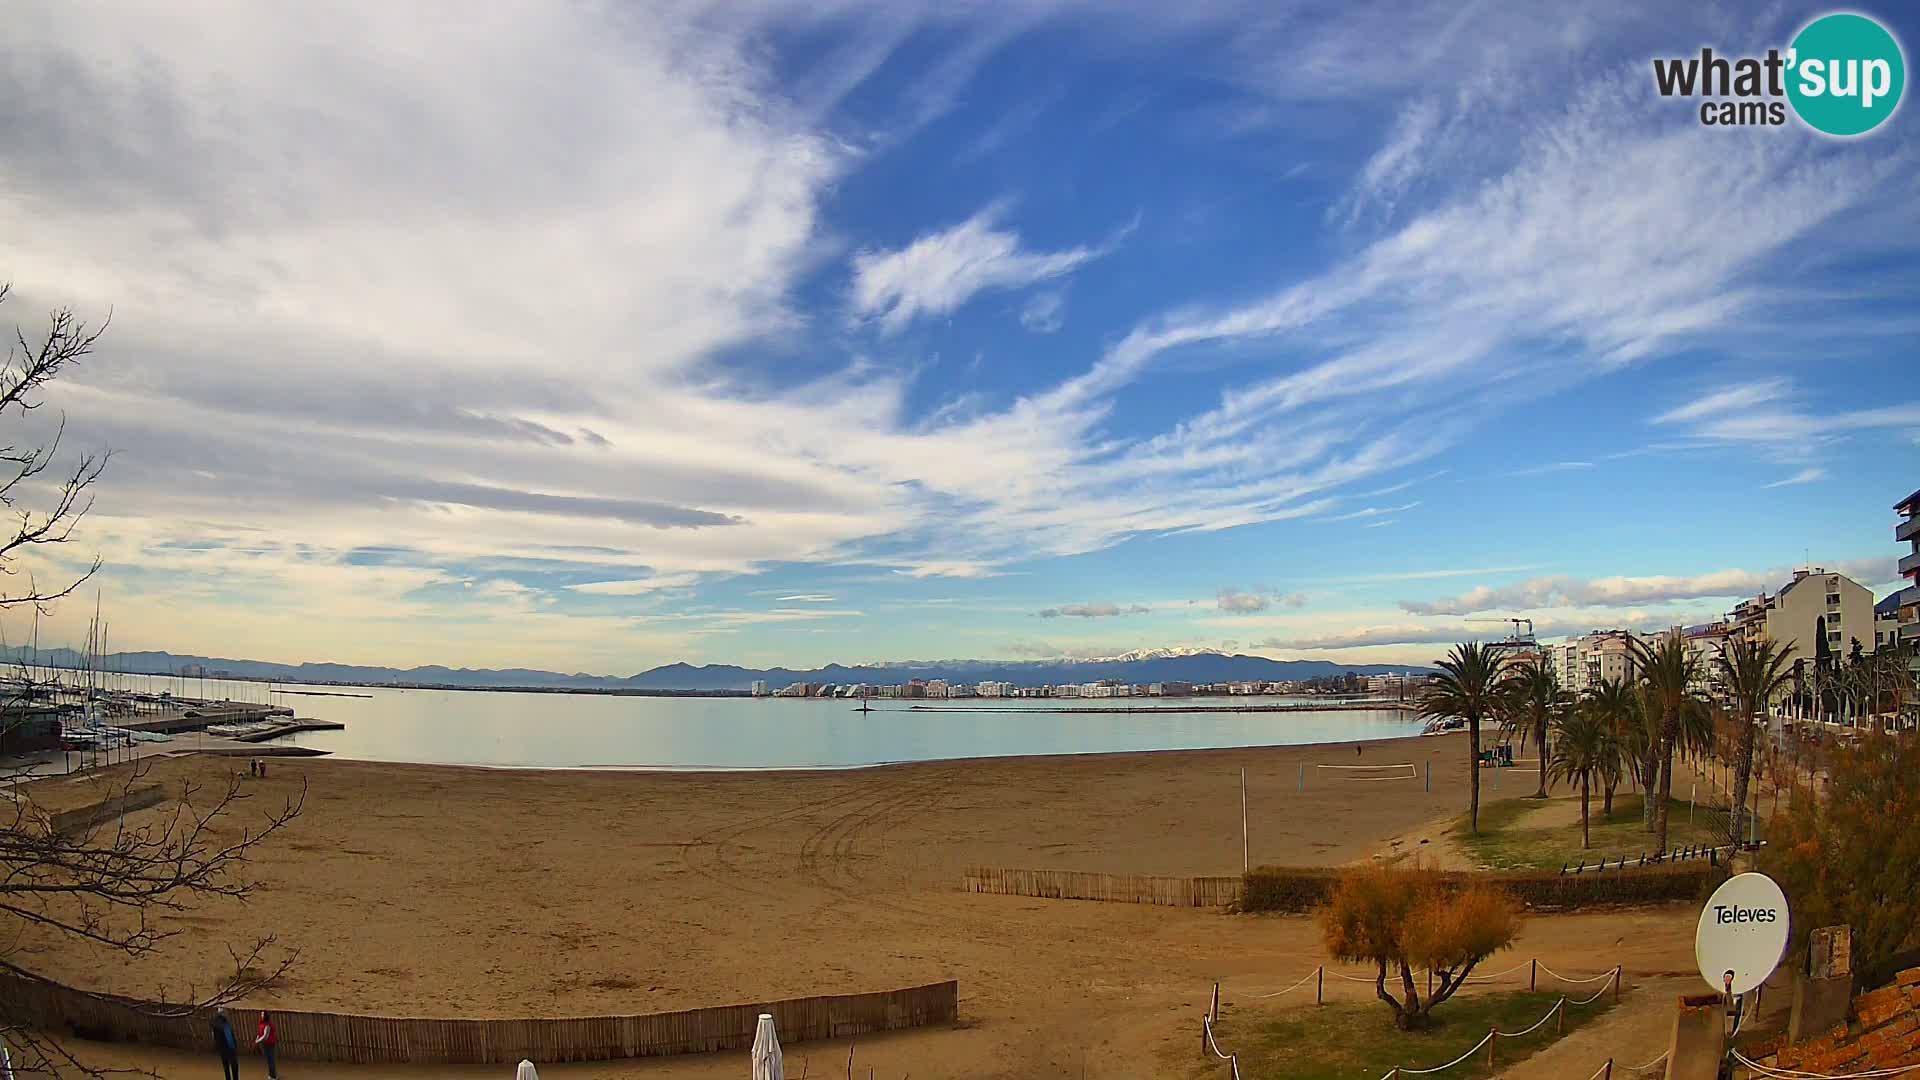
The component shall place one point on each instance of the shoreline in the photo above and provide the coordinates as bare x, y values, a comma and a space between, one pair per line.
1064, 757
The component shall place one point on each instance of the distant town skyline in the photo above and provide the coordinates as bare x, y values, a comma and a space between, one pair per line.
599, 338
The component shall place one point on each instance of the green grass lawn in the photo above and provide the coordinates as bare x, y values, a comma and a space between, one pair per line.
1357, 1040
1507, 842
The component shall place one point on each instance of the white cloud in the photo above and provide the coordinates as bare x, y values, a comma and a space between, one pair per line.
1241, 601
1768, 416
939, 272
1554, 467
542, 331
636, 586
1045, 313
805, 598
1373, 512
1092, 611
1235, 600
1804, 476
1559, 591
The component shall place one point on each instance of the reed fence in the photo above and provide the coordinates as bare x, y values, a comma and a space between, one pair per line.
380, 1040
1197, 892
97, 813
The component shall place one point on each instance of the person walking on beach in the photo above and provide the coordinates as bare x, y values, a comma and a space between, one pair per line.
226, 1044
266, 1040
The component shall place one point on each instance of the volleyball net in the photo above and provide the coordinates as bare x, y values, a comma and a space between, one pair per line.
1405, 770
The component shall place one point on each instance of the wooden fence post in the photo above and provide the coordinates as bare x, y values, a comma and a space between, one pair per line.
1320, 985
1493, 1037
1560, 1018
1608, 1074
1617, 968
1214, 1011
1533, 975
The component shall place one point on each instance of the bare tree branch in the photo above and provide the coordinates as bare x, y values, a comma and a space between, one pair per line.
105, 883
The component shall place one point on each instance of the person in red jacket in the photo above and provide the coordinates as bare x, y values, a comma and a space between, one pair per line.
266, 1040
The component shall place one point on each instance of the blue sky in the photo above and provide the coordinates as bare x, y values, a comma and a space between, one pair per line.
598, 336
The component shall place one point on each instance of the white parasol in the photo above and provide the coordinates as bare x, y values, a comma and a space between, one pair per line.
766, 1051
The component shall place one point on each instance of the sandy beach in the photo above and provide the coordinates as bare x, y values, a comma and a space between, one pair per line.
438, 891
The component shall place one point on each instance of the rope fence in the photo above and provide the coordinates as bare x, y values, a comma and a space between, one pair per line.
1794, 1074
1611, 979
1534, 969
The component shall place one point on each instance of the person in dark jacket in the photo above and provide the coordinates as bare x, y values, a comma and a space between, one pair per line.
266, 1040
227, 1046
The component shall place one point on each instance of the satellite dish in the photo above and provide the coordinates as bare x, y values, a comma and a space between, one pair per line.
1742, 933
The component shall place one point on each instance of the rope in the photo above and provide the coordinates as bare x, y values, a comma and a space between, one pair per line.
1599, 992
1650, 1064
1576, 982
1597, 1072
1768, 1070
1500, 974
1536, 1024
1291, 989
1484, 1040
1521, 966
1232, 1060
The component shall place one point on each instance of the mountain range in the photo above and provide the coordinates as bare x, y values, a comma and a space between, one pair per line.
1139, 666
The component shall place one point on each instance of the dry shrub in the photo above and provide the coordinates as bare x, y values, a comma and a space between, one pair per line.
1408, 918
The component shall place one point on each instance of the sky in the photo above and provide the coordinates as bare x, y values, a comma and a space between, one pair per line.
593, 336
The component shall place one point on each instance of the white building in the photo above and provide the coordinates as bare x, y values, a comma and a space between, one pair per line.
1908, 532
760, 688
1817, 605
937, 688
1582, 664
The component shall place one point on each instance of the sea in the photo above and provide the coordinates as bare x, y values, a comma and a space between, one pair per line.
508, 729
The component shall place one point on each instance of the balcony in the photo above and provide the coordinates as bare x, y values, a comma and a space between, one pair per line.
1907, 530
1910, 565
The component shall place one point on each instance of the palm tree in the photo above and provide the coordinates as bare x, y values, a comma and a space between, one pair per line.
1615, 703
1533, 699
1668, 670
1584, 749
1468, 687
1753, 674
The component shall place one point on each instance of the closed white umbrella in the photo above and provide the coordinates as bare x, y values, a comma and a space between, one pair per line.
766, 1051
525, 1071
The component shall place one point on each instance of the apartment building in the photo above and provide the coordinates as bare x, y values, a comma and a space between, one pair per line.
1705, 643
1886, 620
1582, 664
1908, 532
760, 688
1817, 606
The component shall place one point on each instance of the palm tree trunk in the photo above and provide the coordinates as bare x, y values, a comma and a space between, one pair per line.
1606, 805
1473, 767
1742, 775
1586, 829
1669, 735
1650, 780
1540, 744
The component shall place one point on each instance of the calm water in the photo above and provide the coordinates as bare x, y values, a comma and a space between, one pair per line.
584, 731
